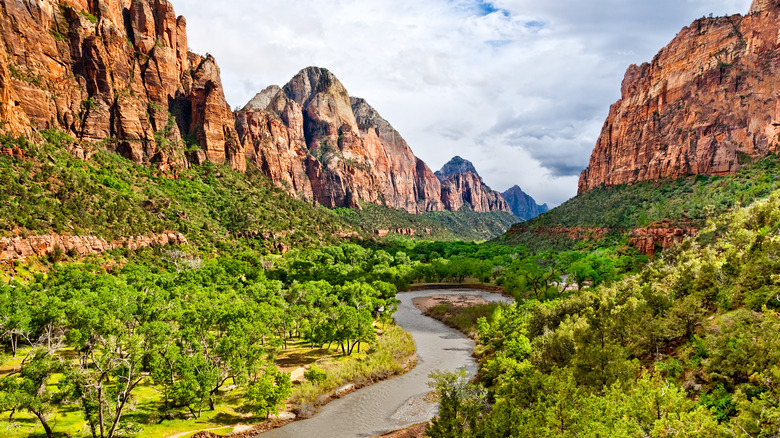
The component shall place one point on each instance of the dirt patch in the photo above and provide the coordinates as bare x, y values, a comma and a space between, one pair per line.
460, 300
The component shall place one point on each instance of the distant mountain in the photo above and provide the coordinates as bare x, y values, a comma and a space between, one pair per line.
461, 185
455, 166
523, 205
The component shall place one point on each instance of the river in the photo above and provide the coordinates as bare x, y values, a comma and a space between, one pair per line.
396, 403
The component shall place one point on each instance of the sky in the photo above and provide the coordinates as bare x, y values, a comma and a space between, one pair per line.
519, 87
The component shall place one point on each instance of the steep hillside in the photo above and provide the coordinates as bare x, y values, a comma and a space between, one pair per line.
45, 191
118, 75
635, 211
704, 105
523, 205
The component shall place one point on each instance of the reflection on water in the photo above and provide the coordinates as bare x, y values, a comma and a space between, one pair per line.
398, 402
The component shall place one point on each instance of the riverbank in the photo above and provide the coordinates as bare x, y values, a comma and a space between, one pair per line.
393, 354
402, 401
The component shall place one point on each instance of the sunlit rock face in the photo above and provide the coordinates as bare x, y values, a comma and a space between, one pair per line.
706, 104
319, 143
116, 73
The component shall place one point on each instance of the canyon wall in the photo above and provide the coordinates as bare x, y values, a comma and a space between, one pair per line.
707, 104
116, 74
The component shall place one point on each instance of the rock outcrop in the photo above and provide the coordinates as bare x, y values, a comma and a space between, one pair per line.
461, 185
311, 138
706, 104
117, 73
522, 204
648, 240
20, 248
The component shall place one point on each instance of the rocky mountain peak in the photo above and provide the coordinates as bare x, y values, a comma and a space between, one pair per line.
522, 204
310, 82
455, 166
262, 99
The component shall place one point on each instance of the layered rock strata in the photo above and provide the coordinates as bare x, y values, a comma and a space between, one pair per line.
706, 104
461, 185
117, 73
20, 248
648, 240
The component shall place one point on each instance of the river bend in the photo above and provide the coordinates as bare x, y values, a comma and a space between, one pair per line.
396, 403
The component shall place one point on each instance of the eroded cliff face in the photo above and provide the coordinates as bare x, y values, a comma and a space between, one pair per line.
461, 185
117, 73
706, 104
314, 140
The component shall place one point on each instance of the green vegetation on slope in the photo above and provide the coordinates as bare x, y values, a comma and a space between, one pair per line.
687, 347
49, 190
464, 224
141, 350
686, 201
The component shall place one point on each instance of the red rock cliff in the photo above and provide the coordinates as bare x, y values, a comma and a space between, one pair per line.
704, 105
314, 140
117, 72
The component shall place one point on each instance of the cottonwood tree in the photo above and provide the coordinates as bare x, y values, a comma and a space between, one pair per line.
28, 389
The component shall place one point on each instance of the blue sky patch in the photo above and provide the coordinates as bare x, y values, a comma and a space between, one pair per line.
534, 26
485, 8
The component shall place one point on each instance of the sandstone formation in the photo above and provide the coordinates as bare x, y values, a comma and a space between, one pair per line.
706, 104
20, 248
461, 185
311, 138
523, 205
647, 240
402, 231
117, 73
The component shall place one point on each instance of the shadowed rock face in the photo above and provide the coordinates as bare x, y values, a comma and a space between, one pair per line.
313, 139
455, 166
706, 104
117, 72
523, 205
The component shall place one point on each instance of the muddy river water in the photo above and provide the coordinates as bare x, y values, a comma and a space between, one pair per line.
398, 402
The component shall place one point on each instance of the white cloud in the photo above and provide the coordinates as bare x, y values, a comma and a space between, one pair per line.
519, 87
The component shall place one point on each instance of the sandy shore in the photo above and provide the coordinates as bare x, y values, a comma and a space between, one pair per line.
458, 300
